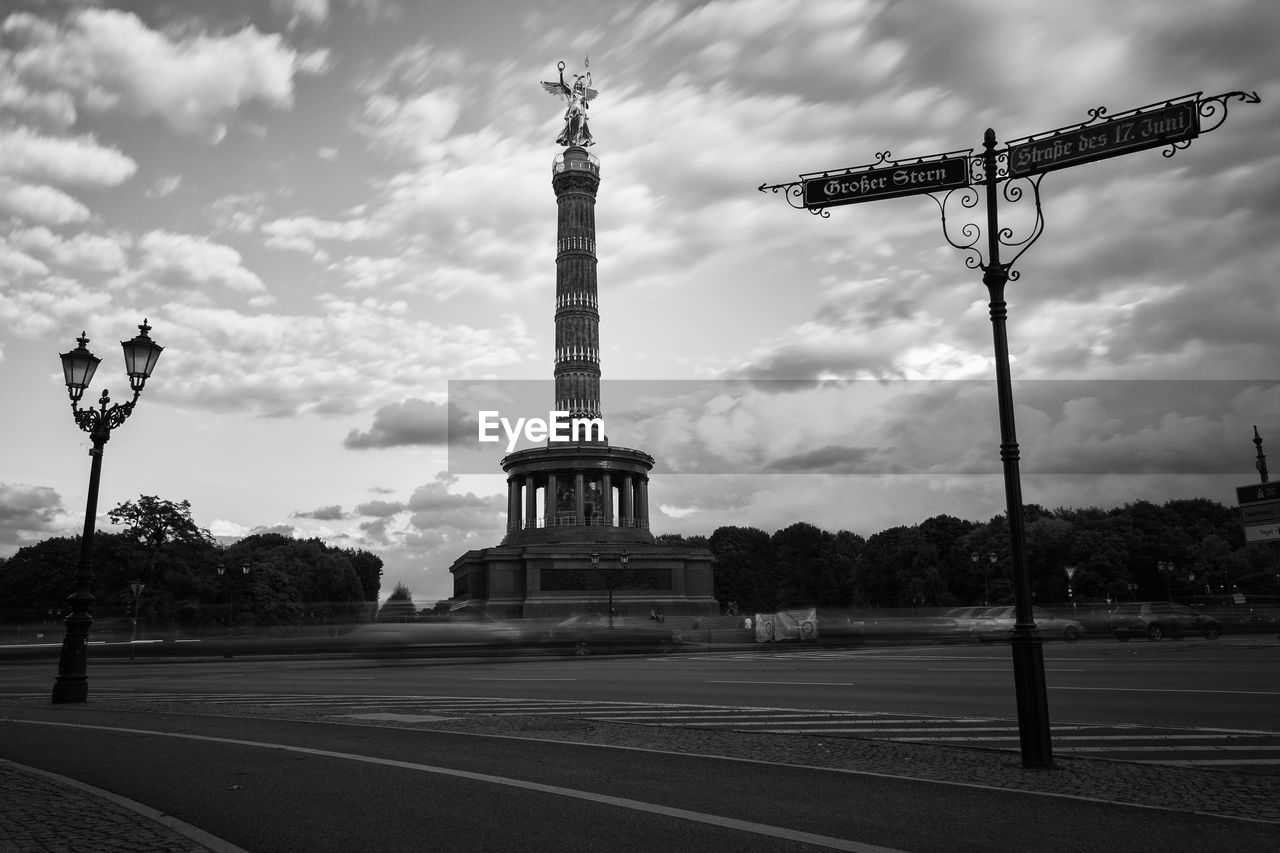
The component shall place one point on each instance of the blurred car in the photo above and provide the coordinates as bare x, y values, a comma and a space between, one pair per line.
888, 626
434, 633
1156, 620
585, 634
967, 617
997, 624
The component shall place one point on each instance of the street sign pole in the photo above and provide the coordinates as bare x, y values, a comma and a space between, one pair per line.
1173, 124
1028, 647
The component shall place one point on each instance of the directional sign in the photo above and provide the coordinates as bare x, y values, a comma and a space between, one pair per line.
871, 184
1257, 493
1269, 532
1120, 135
1260, 511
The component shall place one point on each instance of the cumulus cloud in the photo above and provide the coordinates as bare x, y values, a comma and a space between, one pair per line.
355, 354
304, 233
76, 161
108, 59
440, 516
281, 529
172, 260
324, 513
39, 203
85, 250
17, 264
412, 126
412, 422
28, 514
381, 509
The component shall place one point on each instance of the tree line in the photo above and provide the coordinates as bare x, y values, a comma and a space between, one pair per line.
1189, 551
288, 581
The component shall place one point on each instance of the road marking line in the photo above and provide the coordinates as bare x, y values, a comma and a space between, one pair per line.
1171, 690
398, 718
1197, 748
768, 830
1216, 762
496, 678
791, 683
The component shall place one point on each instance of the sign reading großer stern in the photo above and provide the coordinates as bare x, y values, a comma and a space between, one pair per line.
868, 184
1120, 135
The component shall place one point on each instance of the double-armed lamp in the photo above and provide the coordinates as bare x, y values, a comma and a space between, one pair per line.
78, 366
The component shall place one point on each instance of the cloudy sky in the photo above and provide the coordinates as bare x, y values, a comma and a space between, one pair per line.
328, 210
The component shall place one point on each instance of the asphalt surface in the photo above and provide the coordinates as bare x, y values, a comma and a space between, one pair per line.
89, 777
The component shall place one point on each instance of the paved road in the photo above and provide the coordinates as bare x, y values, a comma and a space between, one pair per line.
801, 749
1192, 703
275, 785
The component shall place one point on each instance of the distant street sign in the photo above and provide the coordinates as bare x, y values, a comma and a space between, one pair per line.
1263, 512
1121, 135
901, 179
1257, 493
1260, 511
1262, 533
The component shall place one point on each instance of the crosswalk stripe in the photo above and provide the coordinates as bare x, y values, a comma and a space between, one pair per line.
1084, 738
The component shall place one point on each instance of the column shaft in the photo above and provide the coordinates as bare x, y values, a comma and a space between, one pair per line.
531, 502
579, 507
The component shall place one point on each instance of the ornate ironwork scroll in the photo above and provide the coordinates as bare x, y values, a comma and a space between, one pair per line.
103, 419
1214, 108
969, 237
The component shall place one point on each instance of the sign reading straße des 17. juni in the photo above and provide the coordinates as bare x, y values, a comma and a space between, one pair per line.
871, 184
1120, 135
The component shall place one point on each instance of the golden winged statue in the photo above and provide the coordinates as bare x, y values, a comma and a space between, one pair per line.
576, 97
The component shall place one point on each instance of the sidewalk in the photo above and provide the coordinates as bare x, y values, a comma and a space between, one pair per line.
43, 812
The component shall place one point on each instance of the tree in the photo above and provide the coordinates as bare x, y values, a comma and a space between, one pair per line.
36, 580
291, 581
899, 568
398, 607
814, 570
369, 571
155, 522
744, 568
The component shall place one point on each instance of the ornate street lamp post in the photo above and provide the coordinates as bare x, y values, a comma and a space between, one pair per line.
609, 578
975, 557
623, 559
78, 366
136, 587
231, 604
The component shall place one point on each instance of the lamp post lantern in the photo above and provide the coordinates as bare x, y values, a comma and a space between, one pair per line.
78, 367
